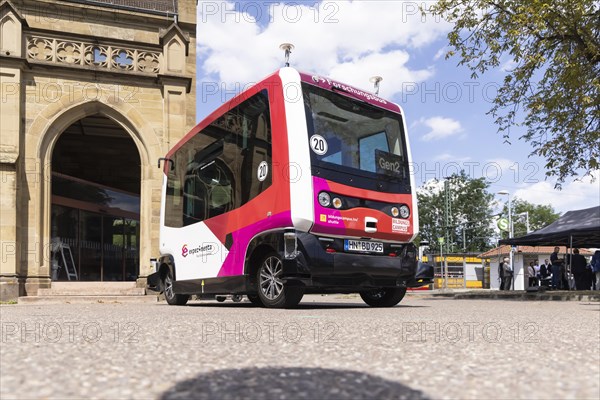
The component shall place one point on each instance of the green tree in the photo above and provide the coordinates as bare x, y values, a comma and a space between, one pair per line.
539, 216
553, 90
471, 213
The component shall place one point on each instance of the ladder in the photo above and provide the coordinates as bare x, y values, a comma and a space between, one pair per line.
67, 259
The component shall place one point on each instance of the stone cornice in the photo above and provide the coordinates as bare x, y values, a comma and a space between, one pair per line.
186, 81
155, 79
73, 9
50, 66
93, 39
7, 60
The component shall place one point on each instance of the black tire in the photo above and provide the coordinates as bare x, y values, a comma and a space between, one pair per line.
236, 298
383, 297
254, 299
171, 297
220, 299
271, 291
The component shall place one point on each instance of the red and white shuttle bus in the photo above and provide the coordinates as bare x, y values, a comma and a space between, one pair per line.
297, 185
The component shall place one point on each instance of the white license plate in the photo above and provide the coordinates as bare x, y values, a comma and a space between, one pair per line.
363, 246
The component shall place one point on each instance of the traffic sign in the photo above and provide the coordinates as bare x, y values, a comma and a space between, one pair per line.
503, 224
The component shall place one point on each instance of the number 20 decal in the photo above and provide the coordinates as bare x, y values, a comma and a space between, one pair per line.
263, 171
318, 144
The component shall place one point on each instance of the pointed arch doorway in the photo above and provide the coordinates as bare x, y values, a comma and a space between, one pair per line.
95, 201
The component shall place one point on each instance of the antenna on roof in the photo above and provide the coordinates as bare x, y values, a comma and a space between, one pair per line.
375, 80
287, 47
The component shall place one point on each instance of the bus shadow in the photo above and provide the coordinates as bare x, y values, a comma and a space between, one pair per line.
296, 383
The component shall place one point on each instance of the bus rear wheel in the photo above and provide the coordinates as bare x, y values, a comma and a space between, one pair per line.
383, 297
171, 297
272, 292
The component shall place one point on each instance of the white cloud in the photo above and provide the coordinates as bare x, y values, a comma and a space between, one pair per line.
450, 157
440, 53
574, 195
509, 65
440, 127
504, 165
431, 187
369, 38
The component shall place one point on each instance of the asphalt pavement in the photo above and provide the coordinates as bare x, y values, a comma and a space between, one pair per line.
331, 347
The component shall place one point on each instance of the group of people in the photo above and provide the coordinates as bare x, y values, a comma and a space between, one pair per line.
553, 273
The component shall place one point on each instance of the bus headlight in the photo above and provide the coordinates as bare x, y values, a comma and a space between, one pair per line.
395, 212
404, 211
324, 199
337, 202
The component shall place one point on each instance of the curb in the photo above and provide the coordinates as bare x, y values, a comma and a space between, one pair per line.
523, 296
70, 299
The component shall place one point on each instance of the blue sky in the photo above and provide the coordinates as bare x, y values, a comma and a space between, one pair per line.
350, 41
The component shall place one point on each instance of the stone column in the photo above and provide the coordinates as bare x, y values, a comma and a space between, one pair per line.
11, 50
10, 112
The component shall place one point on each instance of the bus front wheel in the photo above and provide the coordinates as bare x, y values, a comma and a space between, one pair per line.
383, 297
171, 297
271, 290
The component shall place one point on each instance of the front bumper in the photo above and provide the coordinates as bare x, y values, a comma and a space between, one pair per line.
321, 263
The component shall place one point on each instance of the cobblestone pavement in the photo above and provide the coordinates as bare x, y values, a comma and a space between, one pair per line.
330, 347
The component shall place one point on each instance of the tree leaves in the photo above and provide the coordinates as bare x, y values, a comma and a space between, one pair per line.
554, 89
539, 216
471, 212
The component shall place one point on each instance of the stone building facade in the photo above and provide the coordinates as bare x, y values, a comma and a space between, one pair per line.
92, 94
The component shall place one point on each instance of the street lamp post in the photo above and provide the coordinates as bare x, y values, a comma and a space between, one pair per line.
510, 234
526, 214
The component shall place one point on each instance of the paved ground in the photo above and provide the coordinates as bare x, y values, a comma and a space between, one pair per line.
331, 347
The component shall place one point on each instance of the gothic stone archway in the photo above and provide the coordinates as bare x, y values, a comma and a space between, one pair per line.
95, 213
130, 125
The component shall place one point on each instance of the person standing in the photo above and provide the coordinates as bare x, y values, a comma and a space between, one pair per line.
595, 264
507, 274
578, 265
531, 274
556, 269
546, 273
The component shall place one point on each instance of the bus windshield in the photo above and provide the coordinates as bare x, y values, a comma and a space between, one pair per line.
353, 141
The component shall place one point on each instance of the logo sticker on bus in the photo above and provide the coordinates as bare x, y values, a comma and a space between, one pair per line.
202, 249
318, 144
263, 171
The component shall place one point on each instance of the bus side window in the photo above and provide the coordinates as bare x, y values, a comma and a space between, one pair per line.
194, 201
174, 203
216, 171
256, 146
218, 187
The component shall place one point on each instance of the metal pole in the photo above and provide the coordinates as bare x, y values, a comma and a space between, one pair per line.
464, 259
464, 272
442, 265
445, 266
510, 236
568, 270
